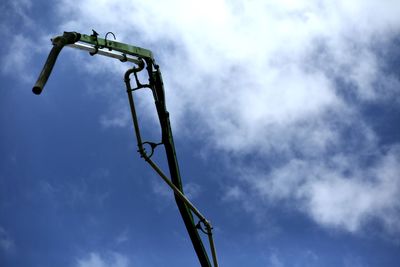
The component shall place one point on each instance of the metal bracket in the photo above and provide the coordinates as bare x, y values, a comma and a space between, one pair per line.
96, 41
105, 40
152, 146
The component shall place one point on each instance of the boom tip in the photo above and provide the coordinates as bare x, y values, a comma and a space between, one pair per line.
37, 90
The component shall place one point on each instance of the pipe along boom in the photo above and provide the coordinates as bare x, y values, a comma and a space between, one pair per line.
143, 61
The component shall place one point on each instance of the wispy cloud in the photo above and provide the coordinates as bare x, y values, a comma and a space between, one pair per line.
279, 80
192, 190
122, 237
7, 244
19, 49
303, 257
233, 193
117, 116
80, 191
274, 261
96, 259
13, 62
161, 189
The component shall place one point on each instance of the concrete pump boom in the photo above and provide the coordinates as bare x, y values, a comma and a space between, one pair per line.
143, 60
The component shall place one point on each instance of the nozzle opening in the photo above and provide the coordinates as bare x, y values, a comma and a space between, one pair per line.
37, 90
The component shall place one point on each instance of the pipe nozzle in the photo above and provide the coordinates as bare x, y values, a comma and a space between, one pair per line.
58, 43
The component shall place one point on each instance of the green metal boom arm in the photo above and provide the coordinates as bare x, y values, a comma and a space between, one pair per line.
96, 45
143, 59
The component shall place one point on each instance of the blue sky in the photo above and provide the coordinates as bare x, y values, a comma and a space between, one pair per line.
285, 117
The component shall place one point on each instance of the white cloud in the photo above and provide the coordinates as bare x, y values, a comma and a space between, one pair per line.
261, 78
339, 193
95, 259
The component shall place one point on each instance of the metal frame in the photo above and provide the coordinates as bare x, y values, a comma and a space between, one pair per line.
143, 60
